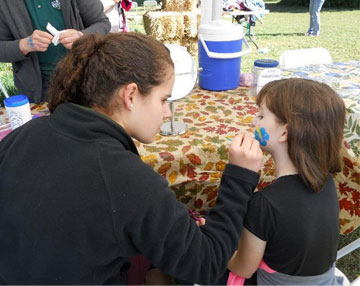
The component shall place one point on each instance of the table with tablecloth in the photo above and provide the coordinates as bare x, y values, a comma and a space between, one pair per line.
344, 78
193, 162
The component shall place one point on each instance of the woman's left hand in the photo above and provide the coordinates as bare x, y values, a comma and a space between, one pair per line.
69, 36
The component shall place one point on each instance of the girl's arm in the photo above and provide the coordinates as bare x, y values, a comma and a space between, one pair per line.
247, 258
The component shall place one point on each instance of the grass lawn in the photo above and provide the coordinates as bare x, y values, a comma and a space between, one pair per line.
284, 29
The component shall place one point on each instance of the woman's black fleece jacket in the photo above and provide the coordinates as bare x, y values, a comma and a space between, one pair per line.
76, 201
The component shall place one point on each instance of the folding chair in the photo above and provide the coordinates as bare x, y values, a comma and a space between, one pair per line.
150, 5
134, 6
133, 13
304, 57
246, 13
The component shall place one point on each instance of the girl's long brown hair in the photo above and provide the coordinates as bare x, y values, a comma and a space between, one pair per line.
315, 115
97, 66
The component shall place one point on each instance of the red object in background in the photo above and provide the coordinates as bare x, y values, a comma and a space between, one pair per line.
5, 130
126, 4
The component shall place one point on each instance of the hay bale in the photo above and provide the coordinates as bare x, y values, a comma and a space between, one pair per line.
169, 5
179, 5
191, 45
164, 25
190, 5
176, 41
170, 24
191, 24
180, 26
174, 28
153, 26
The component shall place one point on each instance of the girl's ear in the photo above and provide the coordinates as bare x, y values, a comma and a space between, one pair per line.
284, 133
127, 94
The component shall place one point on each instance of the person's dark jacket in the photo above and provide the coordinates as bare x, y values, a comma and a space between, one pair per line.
76, 200
86, 16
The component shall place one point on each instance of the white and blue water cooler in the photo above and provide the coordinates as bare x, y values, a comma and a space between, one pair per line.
220, 51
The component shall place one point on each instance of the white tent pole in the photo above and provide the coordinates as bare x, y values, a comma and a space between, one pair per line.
216, 10
206, 7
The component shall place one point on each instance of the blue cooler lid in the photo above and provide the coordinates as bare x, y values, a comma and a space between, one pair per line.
266, 63
16, 100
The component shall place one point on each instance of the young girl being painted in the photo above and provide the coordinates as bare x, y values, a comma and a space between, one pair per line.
292, 226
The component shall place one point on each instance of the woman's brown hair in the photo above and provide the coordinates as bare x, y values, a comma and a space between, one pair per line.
315, 115
97, 66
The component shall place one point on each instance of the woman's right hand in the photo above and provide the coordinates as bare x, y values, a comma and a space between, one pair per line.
201, 221
38, 41
245, 152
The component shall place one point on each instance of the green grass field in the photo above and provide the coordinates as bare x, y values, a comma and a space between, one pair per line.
284, 29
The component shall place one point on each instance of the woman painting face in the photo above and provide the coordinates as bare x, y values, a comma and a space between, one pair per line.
148, 112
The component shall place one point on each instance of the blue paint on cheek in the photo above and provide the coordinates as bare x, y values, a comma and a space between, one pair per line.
263, 137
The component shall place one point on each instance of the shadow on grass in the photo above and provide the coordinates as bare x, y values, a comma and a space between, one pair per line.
277, 7
281, 8
280, 34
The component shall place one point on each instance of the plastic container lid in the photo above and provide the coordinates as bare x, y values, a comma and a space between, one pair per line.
16, 100
266, 63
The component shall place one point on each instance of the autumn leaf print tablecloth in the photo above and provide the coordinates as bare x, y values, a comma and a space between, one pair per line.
193, 162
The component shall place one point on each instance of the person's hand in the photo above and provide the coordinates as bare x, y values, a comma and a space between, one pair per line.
155, 276
68, 37
38, 41
201, 221
245, 152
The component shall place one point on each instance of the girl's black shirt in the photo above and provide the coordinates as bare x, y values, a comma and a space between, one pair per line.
301, 227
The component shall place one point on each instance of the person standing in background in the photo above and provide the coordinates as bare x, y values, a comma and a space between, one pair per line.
115, 11
26, 43
314, 11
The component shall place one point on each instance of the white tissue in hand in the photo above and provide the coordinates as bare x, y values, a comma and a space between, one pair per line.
54, 32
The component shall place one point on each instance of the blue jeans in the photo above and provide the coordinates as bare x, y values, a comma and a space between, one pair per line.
314, 10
